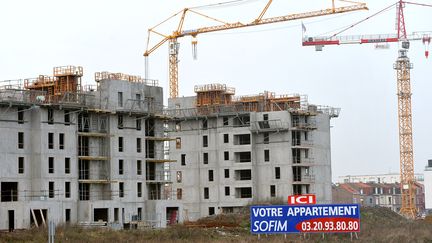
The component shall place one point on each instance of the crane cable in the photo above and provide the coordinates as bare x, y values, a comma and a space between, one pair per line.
363, 20
371, 16
224, 4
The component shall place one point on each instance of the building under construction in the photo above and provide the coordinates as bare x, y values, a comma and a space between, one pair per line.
232, 151
91, 155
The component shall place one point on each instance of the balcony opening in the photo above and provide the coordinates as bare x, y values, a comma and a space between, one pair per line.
296, 138
155, 191
243, 192
243, 175
243, 157
150, 127
242, 139
296, 156
84, 170
83, 146
150, 148
84, 191
150, 171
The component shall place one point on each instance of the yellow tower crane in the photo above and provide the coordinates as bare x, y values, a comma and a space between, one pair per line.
172, 38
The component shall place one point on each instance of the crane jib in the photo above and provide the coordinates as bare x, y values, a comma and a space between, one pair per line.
317, 42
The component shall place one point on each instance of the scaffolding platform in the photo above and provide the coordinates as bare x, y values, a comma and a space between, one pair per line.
96, 181
94, 134
160, 138
91, 158
68, 71
159, 160
107, 76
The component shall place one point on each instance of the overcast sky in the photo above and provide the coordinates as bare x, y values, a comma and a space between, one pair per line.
107, 35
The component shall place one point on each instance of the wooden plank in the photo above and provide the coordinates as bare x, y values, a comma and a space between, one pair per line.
34, 218
43, 218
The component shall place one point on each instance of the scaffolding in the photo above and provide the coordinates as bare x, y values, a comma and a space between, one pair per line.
93, 157
217, 98
107, 76
65, 79
269, 101
11, 84
68, 79
213, 94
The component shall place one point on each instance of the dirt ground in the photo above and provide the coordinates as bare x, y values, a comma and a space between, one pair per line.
377, 225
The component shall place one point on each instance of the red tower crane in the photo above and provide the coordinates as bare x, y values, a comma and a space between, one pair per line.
402, 67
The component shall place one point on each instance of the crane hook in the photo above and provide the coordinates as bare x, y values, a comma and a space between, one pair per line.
194, 47
426, 41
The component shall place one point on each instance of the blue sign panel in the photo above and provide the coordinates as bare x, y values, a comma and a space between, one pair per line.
317, 218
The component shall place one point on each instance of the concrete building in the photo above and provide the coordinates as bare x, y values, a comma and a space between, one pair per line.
83, 154
377, 178
428, 186
376, 194
231, 151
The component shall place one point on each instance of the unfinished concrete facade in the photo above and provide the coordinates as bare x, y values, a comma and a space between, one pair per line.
84, 155
231, 151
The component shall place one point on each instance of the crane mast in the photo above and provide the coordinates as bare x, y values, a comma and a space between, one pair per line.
172, 38
403, 67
